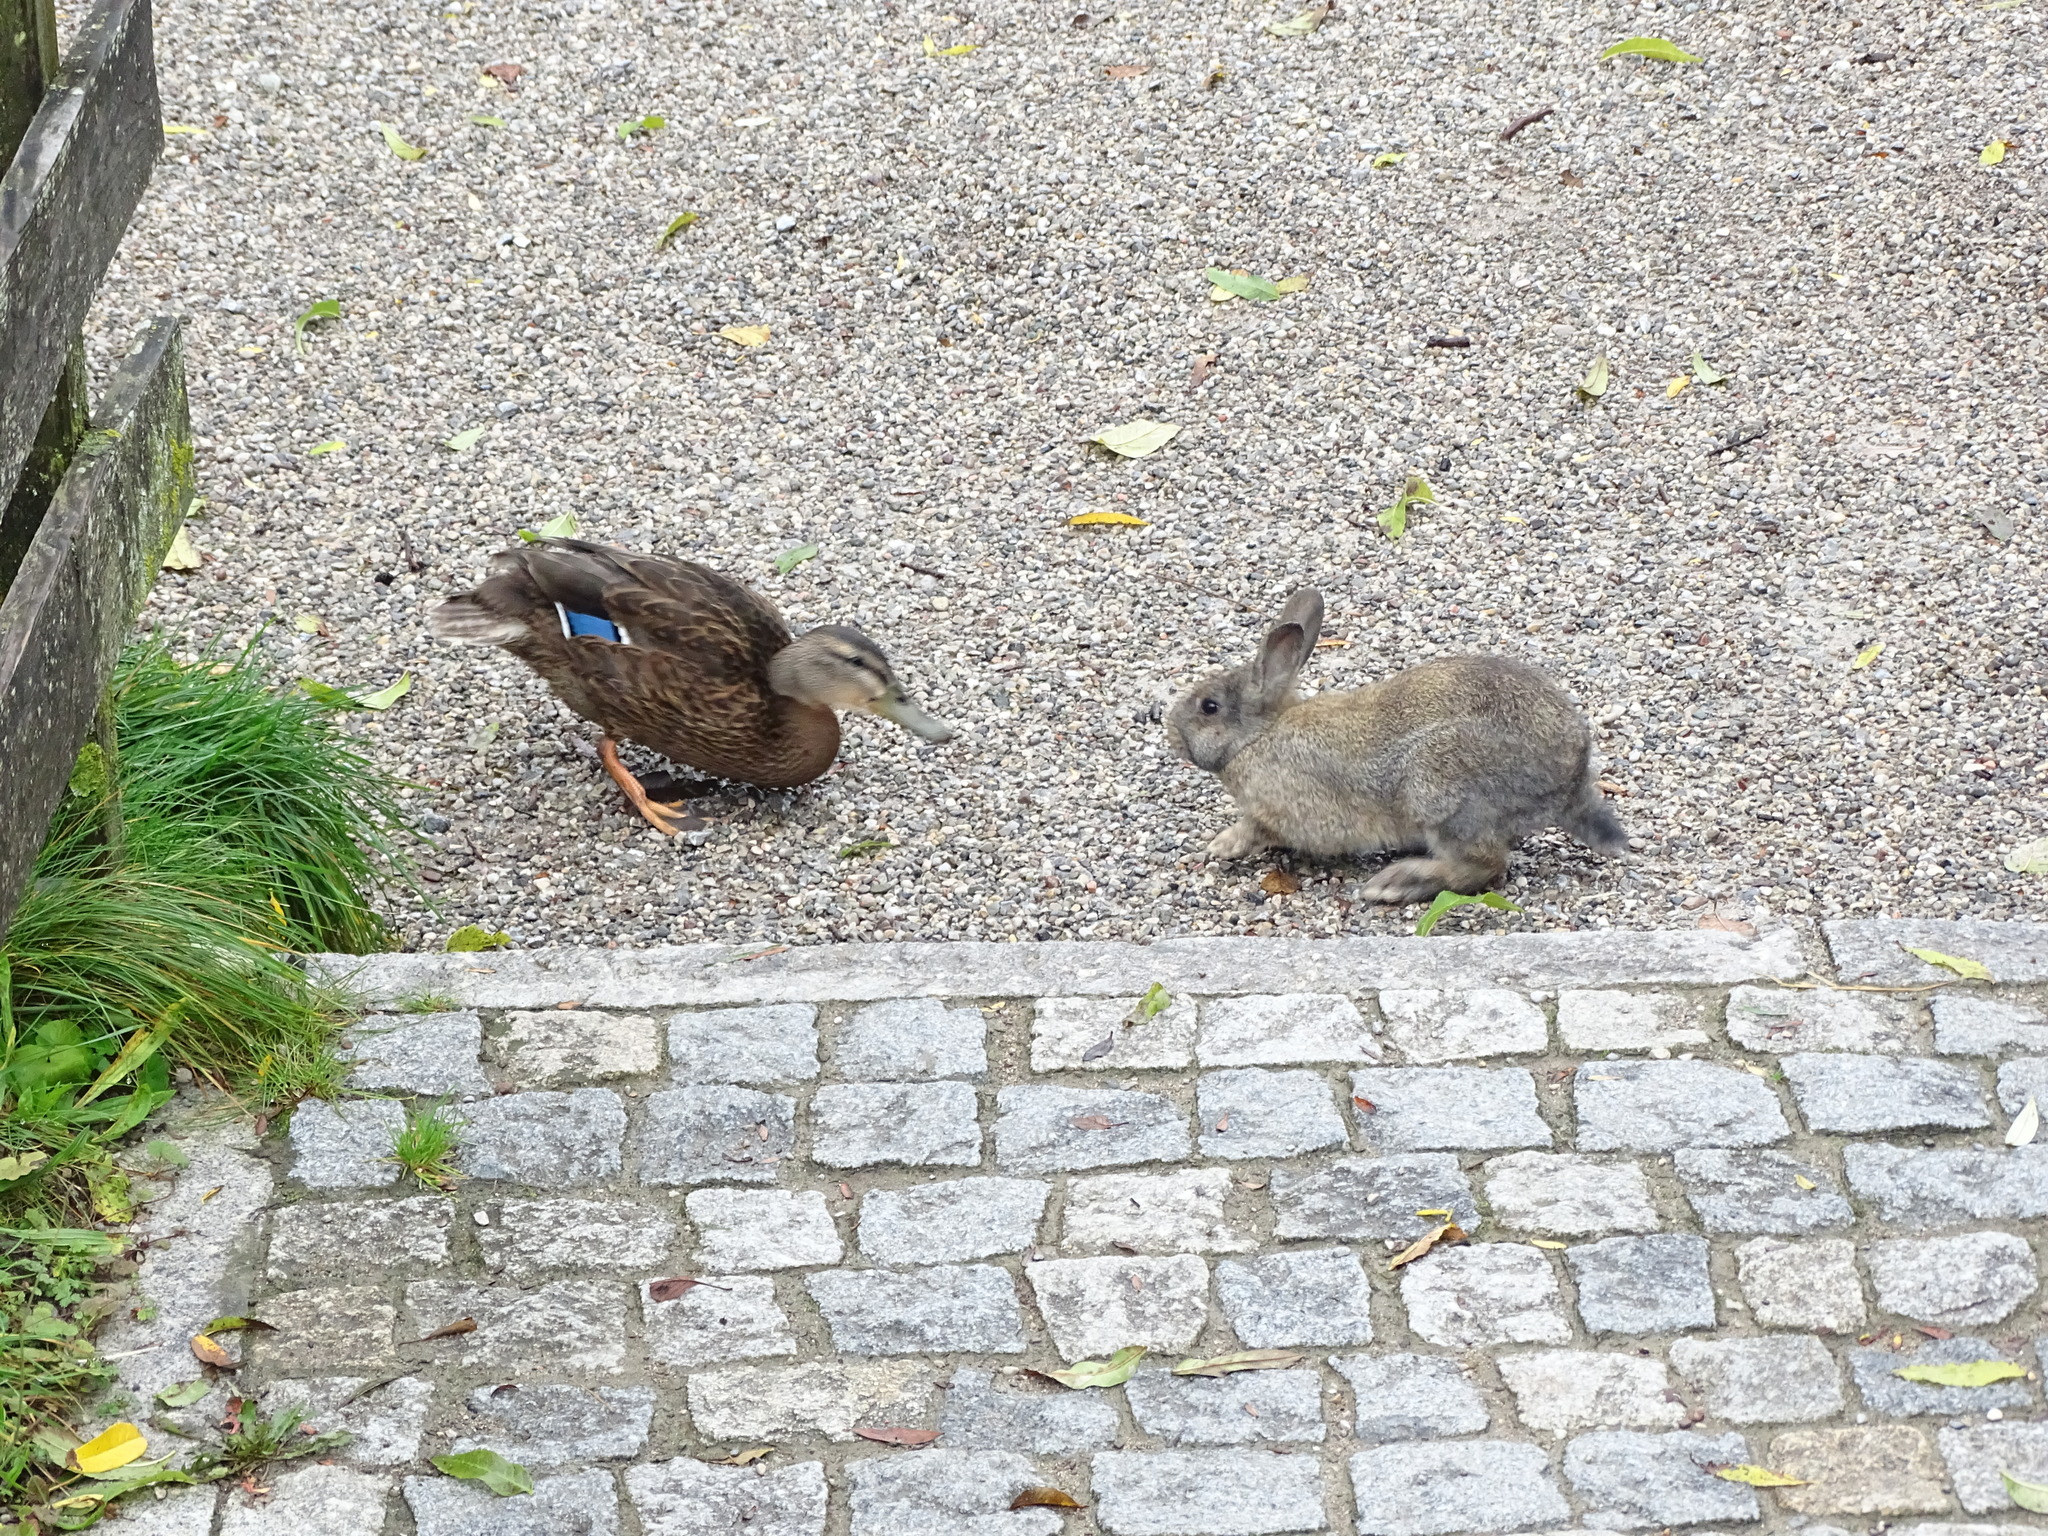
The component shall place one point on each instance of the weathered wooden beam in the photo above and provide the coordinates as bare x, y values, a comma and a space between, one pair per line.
28, 60
64, 206
87, 572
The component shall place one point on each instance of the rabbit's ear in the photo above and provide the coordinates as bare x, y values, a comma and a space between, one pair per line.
1286, 647
1305, 607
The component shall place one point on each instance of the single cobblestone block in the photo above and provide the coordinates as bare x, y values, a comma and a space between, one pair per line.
2021, 1080
1976, 1454
1980, 1026
1489, 1293
976, 1414
568, 1048
1431, 1109
1785, 1379
726, 1317
952, 1220
346, 1145
1760, 1191
1411, 1397
1316, 1297
1781, 1022
910, 1040
548, 1426
1371, 1197
324, 1327
1064, 1030
571, 1504
307, 1500
816, 1397
426, 1053
1248, 1408
1152, 1212
969, 1307
1562, 1391
340, 1237
532, 1239
1279, 1031
1567, 1195
1627, 1481
1459, 1026
1802, 1285
181, 1512
1886, 1391
1215, 1493
1884, 1093
1658, 1106
384, 1423
773, 1044
1630, 1021
1455, 1485
740, 1229
1946, 1185
710, 1134
565, 1325
1046, 1130
687, 1497
918, 1125
1954, 1282
1097, 1306
1249, 1112
1886, 1469
1639, 1285
546, 1140
945, 1493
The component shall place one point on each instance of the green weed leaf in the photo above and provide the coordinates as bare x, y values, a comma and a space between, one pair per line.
1446, 900
324, 309
397, 145
676, 226
1243, 285
1651, 48
466, 439
790, 559
502, 1477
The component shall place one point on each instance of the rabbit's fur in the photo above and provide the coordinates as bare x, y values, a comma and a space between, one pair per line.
1458, 759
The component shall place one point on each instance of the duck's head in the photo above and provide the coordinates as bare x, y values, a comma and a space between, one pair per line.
839, 667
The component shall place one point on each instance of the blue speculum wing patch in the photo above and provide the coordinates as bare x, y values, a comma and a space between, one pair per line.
574, 623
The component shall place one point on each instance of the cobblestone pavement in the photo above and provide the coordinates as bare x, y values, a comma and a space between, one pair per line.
1712, 1218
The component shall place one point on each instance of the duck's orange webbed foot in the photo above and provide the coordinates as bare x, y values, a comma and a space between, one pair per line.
664, 819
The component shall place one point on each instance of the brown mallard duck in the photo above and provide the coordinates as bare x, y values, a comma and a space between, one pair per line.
680, 659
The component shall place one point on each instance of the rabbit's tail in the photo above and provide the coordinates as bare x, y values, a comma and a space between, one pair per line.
1595, 825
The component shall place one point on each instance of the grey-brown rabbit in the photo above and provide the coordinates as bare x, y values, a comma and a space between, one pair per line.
1459, 758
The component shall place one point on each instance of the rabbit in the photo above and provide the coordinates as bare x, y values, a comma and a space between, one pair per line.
1456, 759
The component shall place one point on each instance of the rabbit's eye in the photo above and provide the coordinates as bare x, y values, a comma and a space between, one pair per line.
1208, 706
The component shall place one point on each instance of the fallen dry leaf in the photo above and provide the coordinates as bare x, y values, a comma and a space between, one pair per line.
1727, 925
897, 1436
1365, 1105
506, 75
1203, 363
1933, 1332
1277, 882
1045, 1498
1090, 1122
746, 1458
745, 335
2026, 1125
1757, 1477
1243, 1360
208, 1352
1448, 1232
676, 1285
1126, 71
1113, 1372
461, 1325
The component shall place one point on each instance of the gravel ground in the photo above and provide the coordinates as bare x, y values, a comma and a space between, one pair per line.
971, 263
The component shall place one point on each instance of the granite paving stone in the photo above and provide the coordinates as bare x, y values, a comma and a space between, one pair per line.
1283, 1030
724, 1317
776, 1043
1876, 1369
567, 1504
436, 1054
1427, 1026
384, 1423
687, 1497
561, 1325
1780, 1022
1249, 1112
544, 1140
346, 1144
1246, 1408
1953, 1282
1784, 1379
331, 1240
1851, 1093
1411, 1397
969, 1307
911, 1039
709, 1134
1180, 1212
1065, 1030
1589, 1020
322, 1328
1884, 1469
985, 1412
952, 1219
1566, 1195
1760, 1191
1629, 1481
529, 1240
548, 1425
1431, 1109
2021, 1080
1643, 1285
768, 1403
1802, 1285
743, 1229
1097, 1306
1484, 1294
1313, 1297
916, 1125
308, 1499
1659, 1106
942, 1492
571, 1047
1371, 1197
1983, 1026
1941, 1186
1047, 1130
1432, 1488
1976, 1454
180, 1512
1562, 1391
1211, 1492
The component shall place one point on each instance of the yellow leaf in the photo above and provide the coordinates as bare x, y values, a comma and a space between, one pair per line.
172, 128
745, 335
1993, 153
1803, 1181
1758, 1477
208, 1351
1969, 970
1292, 284
1387, 157
1449, 1232
1123, 519
394, 142
1866, 656
114, 1446
335, 446
181, 556
1136, 439
1967, 1373
1676, 387
307, 624
1546, 1242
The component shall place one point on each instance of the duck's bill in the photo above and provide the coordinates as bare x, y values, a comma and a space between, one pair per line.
894, 706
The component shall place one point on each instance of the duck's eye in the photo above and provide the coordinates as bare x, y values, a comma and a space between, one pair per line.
1208, 706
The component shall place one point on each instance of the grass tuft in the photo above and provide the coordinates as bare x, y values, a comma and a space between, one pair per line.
426, 1147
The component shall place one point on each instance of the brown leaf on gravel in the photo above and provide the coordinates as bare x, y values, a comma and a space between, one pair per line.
506, 75
912, 1437
1126, 71
674, 1286
1203, 363
1045, 1498
1728, 925
1277, 882
461, 1325
1932, 1332
1449, 1232
208, 1352
746, 1458
1090, 1122
1571, 179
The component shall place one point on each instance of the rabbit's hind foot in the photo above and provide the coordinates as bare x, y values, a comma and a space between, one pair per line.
1241, 841
1407, 880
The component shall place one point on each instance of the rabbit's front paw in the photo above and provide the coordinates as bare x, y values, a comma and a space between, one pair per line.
1238, 842
1407, 880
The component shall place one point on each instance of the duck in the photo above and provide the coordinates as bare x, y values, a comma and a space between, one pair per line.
680, 659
